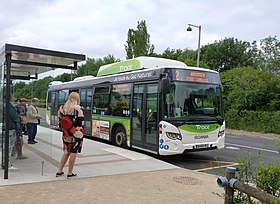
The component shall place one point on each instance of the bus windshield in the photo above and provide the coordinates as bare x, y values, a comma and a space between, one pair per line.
193, 102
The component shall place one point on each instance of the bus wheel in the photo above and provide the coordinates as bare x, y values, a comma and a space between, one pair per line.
120, 137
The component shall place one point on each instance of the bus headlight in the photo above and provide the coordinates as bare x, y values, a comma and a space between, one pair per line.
221, 133
174, 136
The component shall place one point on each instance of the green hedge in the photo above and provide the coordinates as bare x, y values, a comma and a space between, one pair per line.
268, 178
42, 103
256, 121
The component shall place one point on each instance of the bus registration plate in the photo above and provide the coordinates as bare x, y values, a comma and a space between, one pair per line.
201, 146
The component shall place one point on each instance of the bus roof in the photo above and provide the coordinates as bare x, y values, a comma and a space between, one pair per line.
139, 68
147, 74
137, 64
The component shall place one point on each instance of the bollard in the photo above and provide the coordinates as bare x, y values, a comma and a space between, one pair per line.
230, 183
230, 173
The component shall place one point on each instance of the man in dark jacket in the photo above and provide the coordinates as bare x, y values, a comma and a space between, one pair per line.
15, 133
19, 139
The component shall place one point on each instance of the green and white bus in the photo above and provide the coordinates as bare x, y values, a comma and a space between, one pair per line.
153, 104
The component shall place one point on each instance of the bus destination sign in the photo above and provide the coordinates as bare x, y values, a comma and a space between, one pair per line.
196, 76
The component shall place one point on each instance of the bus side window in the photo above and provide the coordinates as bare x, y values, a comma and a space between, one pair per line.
62, 96
88, 98
120, 100
83, 98
73, 90
101, 104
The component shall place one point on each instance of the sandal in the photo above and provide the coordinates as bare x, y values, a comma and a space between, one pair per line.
59, 174
72, 175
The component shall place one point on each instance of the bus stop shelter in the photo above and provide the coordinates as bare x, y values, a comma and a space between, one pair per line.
25, 63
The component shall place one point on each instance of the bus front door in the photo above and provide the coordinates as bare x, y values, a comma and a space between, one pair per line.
54, 108
86, 100
144, 116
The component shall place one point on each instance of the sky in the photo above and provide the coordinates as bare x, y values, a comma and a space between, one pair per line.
98, 28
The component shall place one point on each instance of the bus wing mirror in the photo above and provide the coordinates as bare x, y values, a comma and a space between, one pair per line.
166, 84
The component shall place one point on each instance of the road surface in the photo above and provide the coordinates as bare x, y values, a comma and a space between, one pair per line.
260, 149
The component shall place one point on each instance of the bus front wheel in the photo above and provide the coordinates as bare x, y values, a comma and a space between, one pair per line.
120, 137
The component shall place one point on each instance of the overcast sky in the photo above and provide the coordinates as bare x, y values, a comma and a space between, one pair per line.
97, 28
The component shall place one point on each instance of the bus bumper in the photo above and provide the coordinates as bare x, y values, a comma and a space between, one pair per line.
171, 147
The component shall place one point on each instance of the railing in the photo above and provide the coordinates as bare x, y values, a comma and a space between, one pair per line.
230, 183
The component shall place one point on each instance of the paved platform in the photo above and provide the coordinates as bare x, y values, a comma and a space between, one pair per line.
106, 174
97, 159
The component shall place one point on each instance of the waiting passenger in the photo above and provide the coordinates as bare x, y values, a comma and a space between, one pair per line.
15, 136
33, 119
24, 124
73, 136
21, 112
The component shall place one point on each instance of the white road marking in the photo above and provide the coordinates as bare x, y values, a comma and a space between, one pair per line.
233, 148
255, 148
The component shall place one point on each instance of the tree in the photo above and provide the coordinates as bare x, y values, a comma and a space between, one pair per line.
92, 65
187, 56
36, 88
138, 42
269, 55
130, 44
226, 54
21, 90
246, 88
171, 53
65, 77
40, 87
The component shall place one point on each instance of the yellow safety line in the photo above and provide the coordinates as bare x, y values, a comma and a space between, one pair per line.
217, 167
211, 161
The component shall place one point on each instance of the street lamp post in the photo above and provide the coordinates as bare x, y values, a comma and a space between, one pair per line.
199, 36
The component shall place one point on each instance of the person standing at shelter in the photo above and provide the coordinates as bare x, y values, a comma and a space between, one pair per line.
15, 136
21, 112
19, 141
24, 105
19, 107
33, 119
73, 135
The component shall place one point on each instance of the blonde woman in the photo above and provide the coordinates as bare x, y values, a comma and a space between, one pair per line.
72, 137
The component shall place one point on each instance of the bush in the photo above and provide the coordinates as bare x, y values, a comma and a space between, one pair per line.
258, 121
246, 88
246, 175
265, 178
268, 178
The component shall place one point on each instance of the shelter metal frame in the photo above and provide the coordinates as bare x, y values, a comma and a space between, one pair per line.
25, 63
